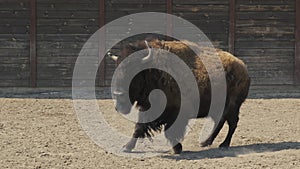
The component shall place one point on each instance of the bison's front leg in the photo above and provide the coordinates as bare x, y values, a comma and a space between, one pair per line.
130, 145
176, 133
139, 132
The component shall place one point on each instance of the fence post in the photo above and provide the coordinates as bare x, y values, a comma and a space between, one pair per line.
33, 57
102, 42
231, 35
169, 19
297, 45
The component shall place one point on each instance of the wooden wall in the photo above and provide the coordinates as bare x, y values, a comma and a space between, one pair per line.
115, 9
265, 39
263, 33
62, 28
210, 16
14, 43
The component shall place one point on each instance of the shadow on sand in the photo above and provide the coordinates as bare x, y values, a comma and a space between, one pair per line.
234, 151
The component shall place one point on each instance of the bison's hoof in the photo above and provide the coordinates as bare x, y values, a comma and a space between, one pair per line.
177, 148
206, 143
126, 150
224, 145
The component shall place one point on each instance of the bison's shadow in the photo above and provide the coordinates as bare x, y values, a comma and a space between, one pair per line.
234, 151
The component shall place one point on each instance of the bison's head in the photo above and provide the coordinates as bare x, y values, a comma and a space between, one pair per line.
140, 86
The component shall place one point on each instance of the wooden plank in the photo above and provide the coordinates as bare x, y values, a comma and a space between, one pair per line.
64, 60
68, 6
61, 82
209, 22
297, 45
274, 91
264, 37
67, 1
13, 71
266, 2
271, 81
231, 36
68, 22
266, 15
14, 60
200, 8
264, 52
213, 37
11, 29
63, 45
14, 53
50, 71
14, 37
265, 45
157, 2
272, 74
132, 8
14, 22
268, 66
281, 59
14, 45
202, 15
67, 14
63, 37
15, 14
263, 8
33, 56
55, 71
58, 52
265, 30
264, 23
20, 5
205, 28
14, 83
81, 29
102, 43
193, 2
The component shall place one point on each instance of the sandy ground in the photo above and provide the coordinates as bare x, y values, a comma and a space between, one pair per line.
45, 133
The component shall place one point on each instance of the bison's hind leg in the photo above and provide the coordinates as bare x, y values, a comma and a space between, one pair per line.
232, 123
232, 118
230, 114
216, 131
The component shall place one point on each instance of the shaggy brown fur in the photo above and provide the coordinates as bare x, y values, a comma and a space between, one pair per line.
237, 80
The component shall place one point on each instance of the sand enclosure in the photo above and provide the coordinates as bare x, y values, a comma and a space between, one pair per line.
45, 133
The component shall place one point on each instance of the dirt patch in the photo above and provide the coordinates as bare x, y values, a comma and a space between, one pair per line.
44, 133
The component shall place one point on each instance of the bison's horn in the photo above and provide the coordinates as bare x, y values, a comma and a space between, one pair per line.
149, 54
118, 93
113, 57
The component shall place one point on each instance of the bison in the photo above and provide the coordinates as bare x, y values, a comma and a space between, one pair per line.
237, 80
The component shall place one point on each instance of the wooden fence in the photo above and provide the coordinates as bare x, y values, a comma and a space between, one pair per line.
41, 39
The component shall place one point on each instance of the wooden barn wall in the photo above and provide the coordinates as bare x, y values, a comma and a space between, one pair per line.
265, 39
14, 43
62, 28
264, 35
211, 17
115, 9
